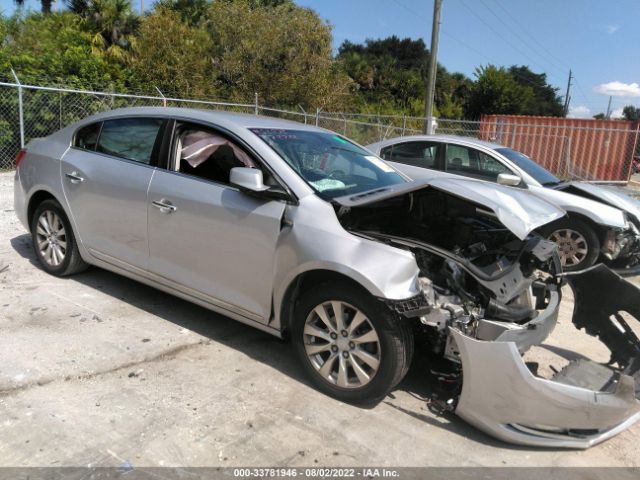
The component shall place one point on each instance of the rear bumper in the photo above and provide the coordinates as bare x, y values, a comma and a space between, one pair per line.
20, 200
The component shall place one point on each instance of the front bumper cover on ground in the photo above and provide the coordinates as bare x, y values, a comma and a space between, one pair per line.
581, 406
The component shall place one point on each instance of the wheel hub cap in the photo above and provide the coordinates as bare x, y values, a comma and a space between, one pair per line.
342, 344
572, 246
51, 238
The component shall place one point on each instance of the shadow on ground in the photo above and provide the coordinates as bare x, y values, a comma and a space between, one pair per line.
258, 345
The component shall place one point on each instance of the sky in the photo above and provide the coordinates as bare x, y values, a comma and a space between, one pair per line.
598, 40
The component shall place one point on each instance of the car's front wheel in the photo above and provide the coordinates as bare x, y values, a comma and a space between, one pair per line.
53, 240
578, 244
351, 345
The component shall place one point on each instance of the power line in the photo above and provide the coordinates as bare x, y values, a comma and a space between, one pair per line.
499, 34
532, 37
461, 42
519, 37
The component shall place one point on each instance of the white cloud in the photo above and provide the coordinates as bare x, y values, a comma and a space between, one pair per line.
611, 29
618, 89
617, 113
579, 112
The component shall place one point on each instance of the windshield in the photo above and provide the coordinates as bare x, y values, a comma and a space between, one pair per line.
332, 165
544, 177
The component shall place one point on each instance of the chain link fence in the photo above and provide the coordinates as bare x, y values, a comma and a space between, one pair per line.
568, 149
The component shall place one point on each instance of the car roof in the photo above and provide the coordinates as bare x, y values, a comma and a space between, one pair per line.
438, 138
244, 120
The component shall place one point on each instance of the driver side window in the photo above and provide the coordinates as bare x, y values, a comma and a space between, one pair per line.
204, 153
473, 163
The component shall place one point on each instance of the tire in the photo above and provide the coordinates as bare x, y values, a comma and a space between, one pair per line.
393, 348
49, 241
573, 237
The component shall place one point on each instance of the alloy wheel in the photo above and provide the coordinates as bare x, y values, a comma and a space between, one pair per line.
572, 246
51, 238
342, 344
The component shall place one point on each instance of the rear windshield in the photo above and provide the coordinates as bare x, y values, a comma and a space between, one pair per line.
330, 164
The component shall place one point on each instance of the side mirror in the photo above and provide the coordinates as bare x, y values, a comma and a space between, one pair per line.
247, 179
250, 181
508, 179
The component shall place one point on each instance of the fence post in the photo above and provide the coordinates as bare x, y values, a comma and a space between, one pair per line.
257, 106
344, 128
20, 110
164, 99
304, 112
404, 123
317, 116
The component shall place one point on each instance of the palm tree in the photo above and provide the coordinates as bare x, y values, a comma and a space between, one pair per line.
45, 5
114, 23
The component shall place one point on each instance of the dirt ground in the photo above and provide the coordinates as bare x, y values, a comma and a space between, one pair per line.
99, 370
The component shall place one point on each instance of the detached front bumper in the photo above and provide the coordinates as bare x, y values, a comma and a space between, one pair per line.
584, 404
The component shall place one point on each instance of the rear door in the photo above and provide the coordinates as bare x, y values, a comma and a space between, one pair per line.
105, 176
211, 240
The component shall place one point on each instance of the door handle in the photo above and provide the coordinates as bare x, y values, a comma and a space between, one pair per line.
74, 177
165, 206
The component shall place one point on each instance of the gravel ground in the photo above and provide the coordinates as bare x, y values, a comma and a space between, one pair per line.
100, 370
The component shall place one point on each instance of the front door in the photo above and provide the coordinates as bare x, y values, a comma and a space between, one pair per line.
214, 241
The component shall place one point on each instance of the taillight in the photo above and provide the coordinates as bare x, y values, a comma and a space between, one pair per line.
20, 156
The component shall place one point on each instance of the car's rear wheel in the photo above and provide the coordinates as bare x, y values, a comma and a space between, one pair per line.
578, 244
53, 240
351, 345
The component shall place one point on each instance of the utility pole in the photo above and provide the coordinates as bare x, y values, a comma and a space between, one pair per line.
567, 97
432, 69
608, 115
141, 8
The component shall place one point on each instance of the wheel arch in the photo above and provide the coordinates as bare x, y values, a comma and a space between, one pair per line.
36, 199
599, 229
303, 282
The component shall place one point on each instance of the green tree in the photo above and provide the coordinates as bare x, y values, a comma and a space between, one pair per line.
173, 56
113, 23
391, 73
496, 92
55, 48
45, 5
631, 112
283, 53
546, 100
191, 11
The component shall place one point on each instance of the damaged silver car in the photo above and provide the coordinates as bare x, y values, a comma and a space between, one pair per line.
301, 233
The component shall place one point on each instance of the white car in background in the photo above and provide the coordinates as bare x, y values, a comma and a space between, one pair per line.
602, 224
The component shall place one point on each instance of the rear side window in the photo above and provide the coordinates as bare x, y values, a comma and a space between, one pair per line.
130, 138
87, 137
418, 154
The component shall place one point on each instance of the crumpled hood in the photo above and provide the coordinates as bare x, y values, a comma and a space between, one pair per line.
519, 211
611, 196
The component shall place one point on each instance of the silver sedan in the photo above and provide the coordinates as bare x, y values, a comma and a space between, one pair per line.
602, 223
302, 233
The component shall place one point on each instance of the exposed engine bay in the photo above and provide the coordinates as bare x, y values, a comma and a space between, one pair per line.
468, 260
486, 298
